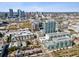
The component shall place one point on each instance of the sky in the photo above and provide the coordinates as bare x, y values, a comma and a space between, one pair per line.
40, 6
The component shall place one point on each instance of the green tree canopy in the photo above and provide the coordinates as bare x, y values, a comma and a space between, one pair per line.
1, 35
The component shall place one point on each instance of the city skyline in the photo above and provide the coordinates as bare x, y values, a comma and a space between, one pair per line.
40, 6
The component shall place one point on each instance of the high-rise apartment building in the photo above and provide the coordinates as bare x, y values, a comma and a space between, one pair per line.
49, 26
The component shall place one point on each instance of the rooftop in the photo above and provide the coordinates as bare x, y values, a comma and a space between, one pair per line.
20, 32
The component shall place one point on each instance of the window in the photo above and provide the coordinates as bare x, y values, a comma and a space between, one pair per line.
52, 47
59, 36
0, 50
61, 44
63, 35
57, 45
55, 36
2, 46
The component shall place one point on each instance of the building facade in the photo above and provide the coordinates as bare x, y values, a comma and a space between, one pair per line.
1, 45
21, 14
20, 37
23, 34
54, 41
11, 13
49, 26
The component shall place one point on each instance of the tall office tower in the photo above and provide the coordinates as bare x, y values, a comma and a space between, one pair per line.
23, 14
19, 12
10, 12
49, 26
6, 15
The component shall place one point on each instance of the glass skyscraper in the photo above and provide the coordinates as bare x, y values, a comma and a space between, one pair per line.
49, 26
19, 12
10, 12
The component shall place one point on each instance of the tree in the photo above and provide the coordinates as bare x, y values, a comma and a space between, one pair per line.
73, 43
1, 35
28, 43
12, 49
9, 39
35, 36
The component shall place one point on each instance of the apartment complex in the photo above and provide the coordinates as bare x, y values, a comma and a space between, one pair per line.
59, 40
